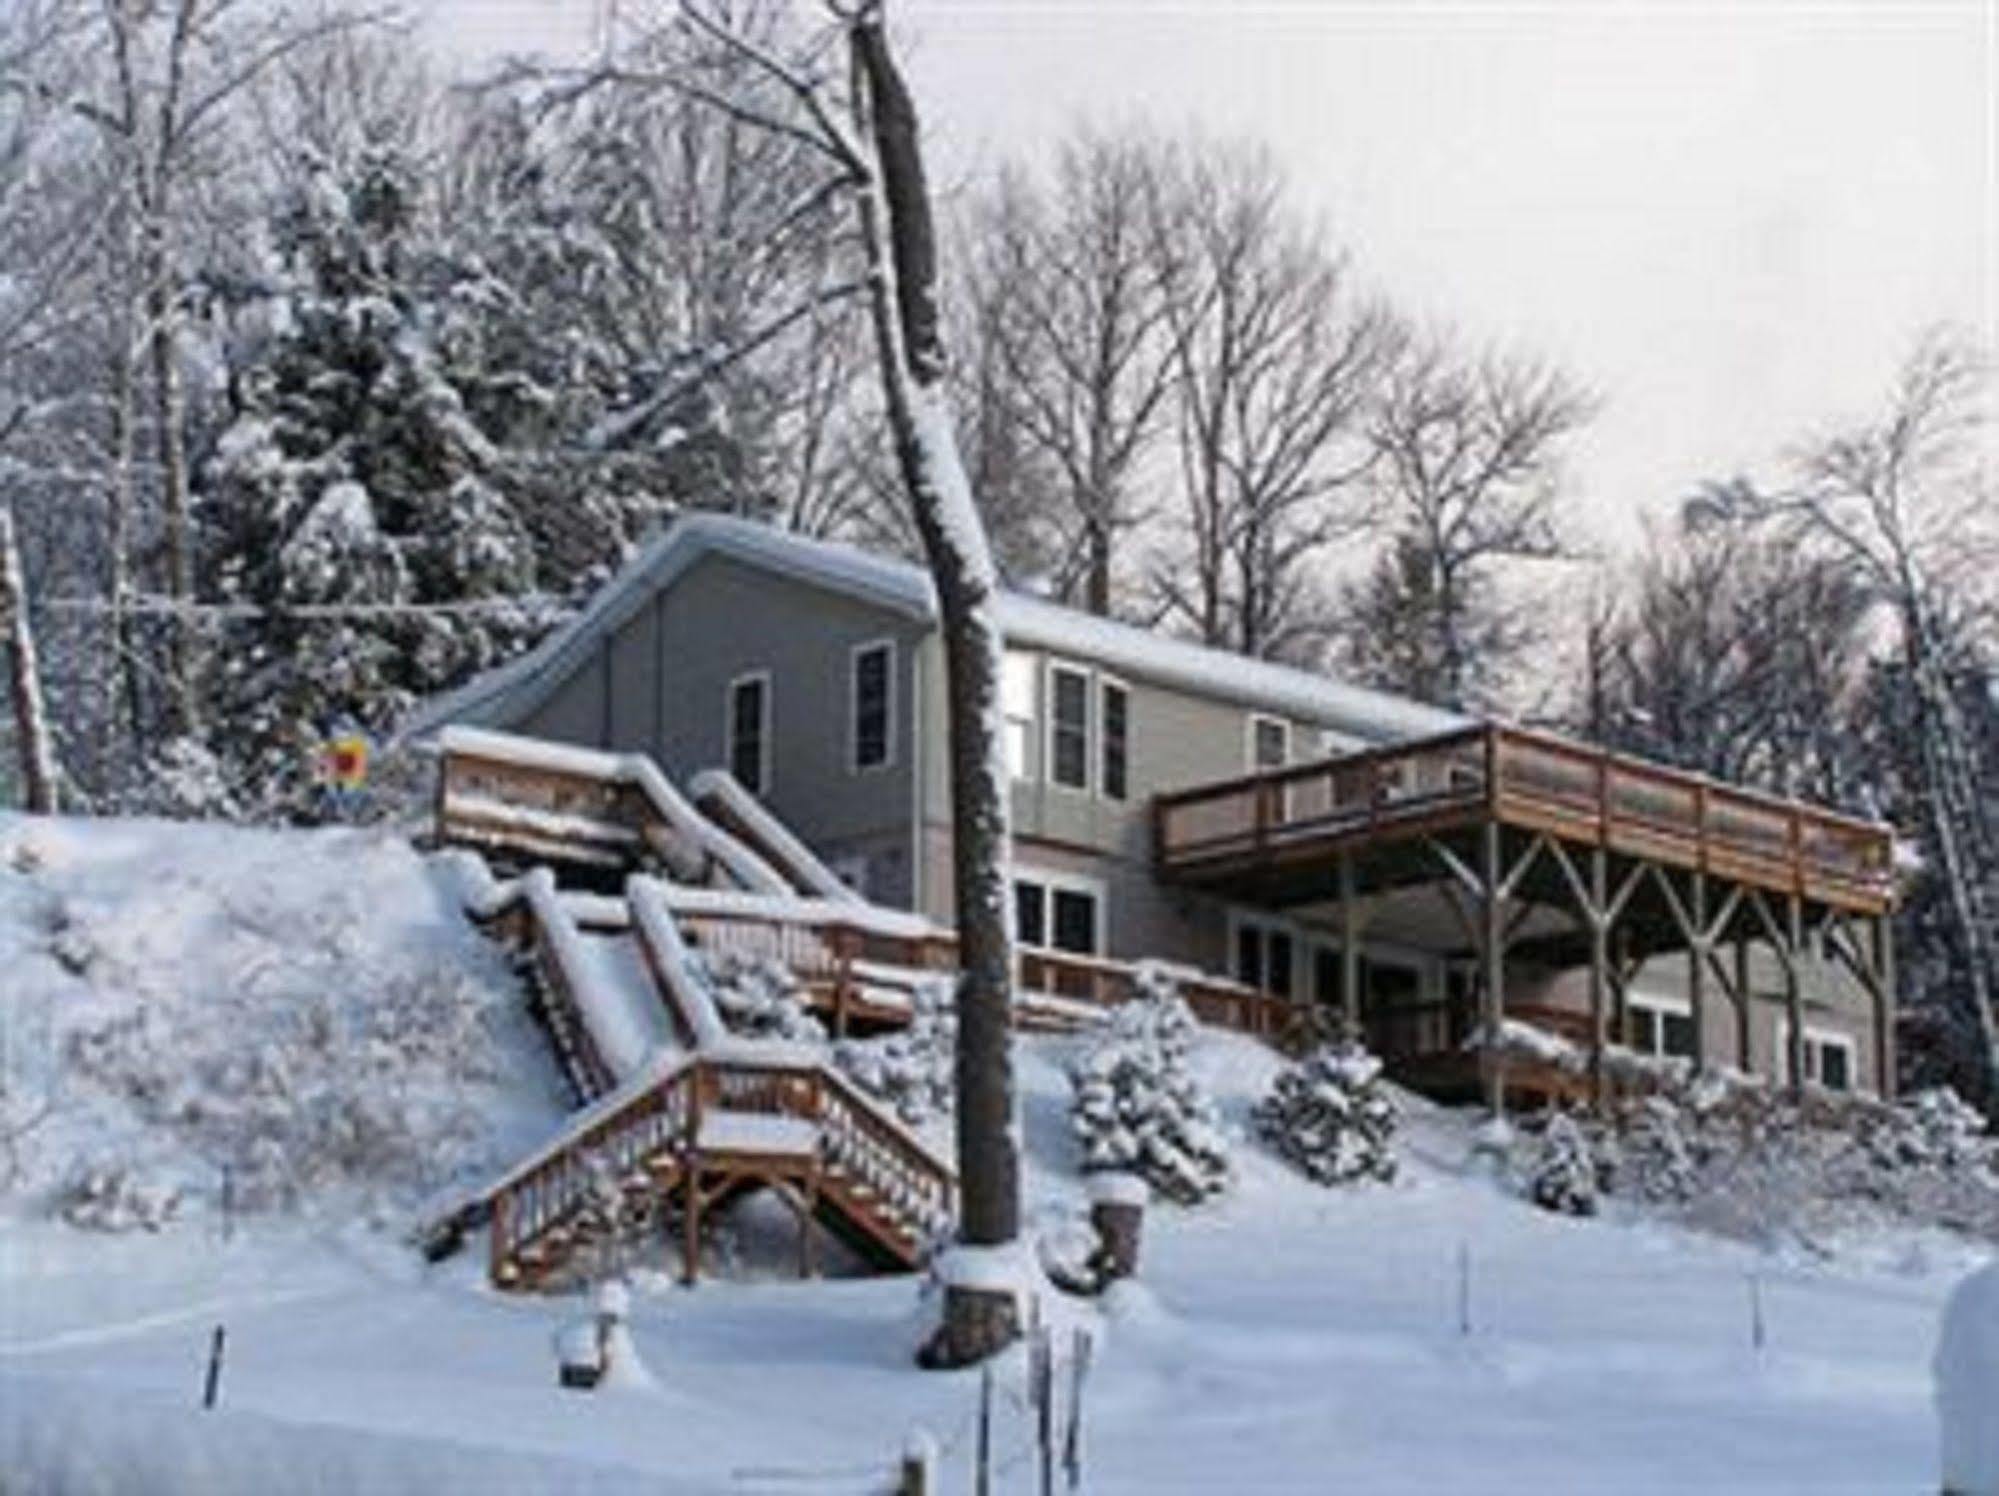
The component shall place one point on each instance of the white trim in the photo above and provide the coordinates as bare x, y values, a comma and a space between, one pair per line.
1106, 681
767, 719
1816, 1038
854, 653
1052, 668
1241, 919
1049, 880
1249, 759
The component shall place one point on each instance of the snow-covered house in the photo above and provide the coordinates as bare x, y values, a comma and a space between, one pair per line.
1318, 841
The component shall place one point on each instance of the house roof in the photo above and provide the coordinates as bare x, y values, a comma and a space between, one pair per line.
504, 694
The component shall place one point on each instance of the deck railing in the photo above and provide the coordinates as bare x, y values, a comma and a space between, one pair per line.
1540, 780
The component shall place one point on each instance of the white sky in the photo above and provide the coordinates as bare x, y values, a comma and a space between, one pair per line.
1729, 219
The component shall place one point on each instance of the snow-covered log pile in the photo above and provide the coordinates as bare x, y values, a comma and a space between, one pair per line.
758, 997
1331, 1116
912, 1071
1137, 1105
198, 1015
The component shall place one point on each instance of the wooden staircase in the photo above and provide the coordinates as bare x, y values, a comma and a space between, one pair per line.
685, 1142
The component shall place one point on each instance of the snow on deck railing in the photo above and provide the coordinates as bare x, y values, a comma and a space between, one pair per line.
619, 1034
748, 870
794, 909
666, 957
808, 873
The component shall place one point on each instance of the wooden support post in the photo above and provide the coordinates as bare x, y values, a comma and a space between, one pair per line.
1495, 967
1697, 967
1882, 941
1744, 1002
1620, 986
1599, 973
1794, 999
690, 1246
1349, 949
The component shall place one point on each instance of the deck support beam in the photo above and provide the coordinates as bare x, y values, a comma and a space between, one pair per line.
1493, 911
1349, 948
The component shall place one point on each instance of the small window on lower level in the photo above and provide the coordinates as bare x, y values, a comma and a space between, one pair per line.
1057, 917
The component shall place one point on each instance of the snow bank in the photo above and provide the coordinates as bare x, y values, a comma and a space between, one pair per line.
198, 1013
60, 1437
1966, 1369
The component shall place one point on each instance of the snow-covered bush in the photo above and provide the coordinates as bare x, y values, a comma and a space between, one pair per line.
113, 1197
1649, 1156
1331, 1116
756, 996
1933, 1130
1564, 1175
1137, 1106
913, 1071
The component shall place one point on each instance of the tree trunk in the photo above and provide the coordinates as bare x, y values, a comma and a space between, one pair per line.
31, 722
897, 220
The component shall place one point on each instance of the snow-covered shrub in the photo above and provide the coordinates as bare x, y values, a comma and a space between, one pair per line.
914, 1070
756, 996
1934, 1130
1564, 1174
1137, 1106
1649, 1156
112, 1197
1331, 1116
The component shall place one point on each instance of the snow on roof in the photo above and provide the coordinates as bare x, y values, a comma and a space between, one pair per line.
510, 691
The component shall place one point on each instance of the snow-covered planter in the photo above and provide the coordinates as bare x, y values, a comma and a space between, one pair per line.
912, 1071
1331, 1117
1564, 1174
1137, 1106
757, 996
1966, 1369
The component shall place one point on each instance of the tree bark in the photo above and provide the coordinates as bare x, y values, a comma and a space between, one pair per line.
902, 243
31, 722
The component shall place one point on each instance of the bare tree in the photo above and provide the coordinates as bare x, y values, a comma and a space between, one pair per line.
1069, 313
31, 720
1274, 361
1466, 479
1903, 502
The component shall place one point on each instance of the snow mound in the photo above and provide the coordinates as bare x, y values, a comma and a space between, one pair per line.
1967, 1385
204, 1018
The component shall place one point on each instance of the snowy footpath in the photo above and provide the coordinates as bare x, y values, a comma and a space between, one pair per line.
1286, 1339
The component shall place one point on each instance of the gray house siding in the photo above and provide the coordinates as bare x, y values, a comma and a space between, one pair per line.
659, 685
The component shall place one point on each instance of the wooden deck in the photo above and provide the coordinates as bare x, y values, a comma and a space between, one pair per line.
1258, 828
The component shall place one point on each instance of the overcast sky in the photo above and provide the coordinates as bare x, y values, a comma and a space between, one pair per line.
1729, 219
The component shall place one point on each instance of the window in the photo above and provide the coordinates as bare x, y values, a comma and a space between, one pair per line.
872, 705
1058, 915
1265, 956
1069, 727
1269, 743
749, 731
1114, 718
1829, 1057
1661, 1027
1017, 697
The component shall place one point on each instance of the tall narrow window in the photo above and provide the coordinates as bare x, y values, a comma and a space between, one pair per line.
749, 732
1115, 724
1069, 727
873, 669
1269, 743
1017, 693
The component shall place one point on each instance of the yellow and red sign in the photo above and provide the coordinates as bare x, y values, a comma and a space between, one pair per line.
343, 762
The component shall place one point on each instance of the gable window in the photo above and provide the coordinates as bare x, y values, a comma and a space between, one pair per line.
1114, 720
1052, 915
1069, 727
1269, 743
1017, 698
749, 731
872, 705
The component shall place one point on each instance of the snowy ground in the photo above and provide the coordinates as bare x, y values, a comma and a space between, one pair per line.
1285, 1338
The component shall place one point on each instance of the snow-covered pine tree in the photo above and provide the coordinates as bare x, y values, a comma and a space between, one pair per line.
1331, 1116
1563, 1174
1138, 1107
356, 513
757, 996
1655, 1160
913, 1071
